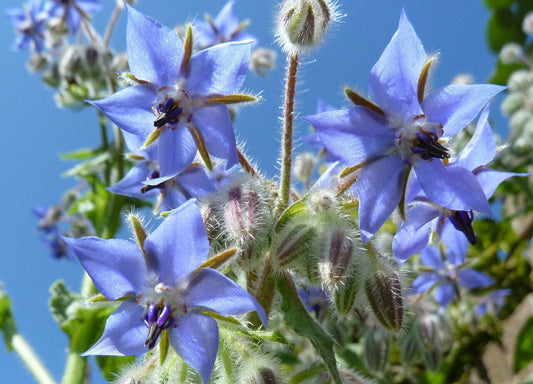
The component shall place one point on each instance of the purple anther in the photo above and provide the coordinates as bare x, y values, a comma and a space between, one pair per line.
462, 221
162, 319
150, 316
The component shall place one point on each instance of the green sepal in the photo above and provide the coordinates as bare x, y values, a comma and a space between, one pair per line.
236, 325
299, 320
7, 322
164, 344
80, 154
309, 373
296, 210
88, 168
111, 365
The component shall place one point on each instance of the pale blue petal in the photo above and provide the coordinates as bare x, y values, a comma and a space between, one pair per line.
171, 198
130, 109
216, 128
451, 187
177, 149
490, 179
179, 245
218, 70
379, 188
116, 267
124, 333
196, 341
226, 20
471, 279
454, 258
425, 281
455, 106
445, 293
195, 182
131, 184
454, 239
210, 290
353, 135
432, 258
393, 81
154, 51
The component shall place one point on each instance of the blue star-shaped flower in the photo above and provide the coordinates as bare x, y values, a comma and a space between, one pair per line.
30, 23
400, 131
225, 27
73, 11
165, 290
177, 101
447, 272
453, 227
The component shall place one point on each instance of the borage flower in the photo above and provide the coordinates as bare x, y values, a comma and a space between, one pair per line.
401, 130
223, 28
179, 100
446, 272
454, 227
73, 11
167, 293
30, 23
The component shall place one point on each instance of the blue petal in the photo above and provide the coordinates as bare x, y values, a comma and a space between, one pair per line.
177, 149
379, 187
413, 234
179, 245
214, 124
124, 333
130, 109
154, 51
354, 135
455, 106
89, 6
116, 267
454, 239
73, 19
425, 281
195, 182
445, 293
218, 70
394, 78
481, 148
196, 341
452, 187
131, 184
431, 257
490, 179
471, 279
171, 199
226, 20
211, 290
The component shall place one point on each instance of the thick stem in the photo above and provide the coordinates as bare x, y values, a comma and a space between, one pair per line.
30, 359
286, 149
76, 370
266, 289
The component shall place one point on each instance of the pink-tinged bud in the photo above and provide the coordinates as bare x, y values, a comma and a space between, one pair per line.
384, 294
376, 350
293, 242
265, 376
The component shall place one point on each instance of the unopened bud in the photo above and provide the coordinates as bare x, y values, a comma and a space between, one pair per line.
510, 53
304, 164
376, 350
384, 293
262, 61
265, 376
527, 24
336, 257
345, 295
294, 242
302, 23
410, 349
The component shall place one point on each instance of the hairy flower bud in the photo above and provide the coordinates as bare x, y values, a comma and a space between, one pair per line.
265, 376
510, 53
302, 23
262, 61
376, 350
293, 242
431, 332
336, 256
384, 293
304, 163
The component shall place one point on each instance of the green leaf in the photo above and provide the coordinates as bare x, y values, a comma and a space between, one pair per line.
296, 210
299, 320
501, 73
80, 154
524, 347
7, 322
498, 4
504, 27
110, 366
91, 167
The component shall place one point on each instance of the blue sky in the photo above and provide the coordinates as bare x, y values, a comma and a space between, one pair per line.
34, 130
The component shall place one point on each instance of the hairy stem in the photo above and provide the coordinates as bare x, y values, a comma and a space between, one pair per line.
111, 24
76, 370
286, 149
30, 359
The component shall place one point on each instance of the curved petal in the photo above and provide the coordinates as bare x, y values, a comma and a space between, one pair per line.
196, 341
452, 187
73, 19
214, 124
171, 198
116, 267
394, 78
177, 149
490, 179
179, 245
124, 333
218, 70
471, 279
425, 281
131, 184
445, 293
481, 148
431, 257
379, 188
154, 51
455, 106
130, 109
195, 182
454, 239
353, 135
226, 20
211, 290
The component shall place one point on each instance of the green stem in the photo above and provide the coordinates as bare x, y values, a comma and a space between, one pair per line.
111, 24
286, 149
30, 359
76, 369
266, 289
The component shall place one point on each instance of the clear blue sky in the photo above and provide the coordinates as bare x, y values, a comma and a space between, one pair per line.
34, 131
